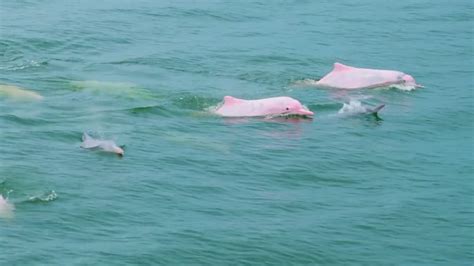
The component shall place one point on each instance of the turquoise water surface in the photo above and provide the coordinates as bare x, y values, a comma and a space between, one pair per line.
194, 188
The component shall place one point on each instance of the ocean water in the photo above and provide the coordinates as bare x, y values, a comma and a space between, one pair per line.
193, 188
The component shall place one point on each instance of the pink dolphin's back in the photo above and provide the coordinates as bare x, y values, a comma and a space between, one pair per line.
234, 107
347, 77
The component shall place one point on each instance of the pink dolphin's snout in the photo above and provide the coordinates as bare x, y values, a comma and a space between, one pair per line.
303, 111
409, 80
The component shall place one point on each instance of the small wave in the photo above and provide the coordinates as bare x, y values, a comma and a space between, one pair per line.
23, 120
152, 109
136, 61
402, 87
122, 89
144, 109
272, 59
263, 77
292, 118
24, 65
208, 14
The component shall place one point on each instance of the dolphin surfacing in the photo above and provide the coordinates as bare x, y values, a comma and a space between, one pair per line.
351, 78
89, 142
234, 107
355, 107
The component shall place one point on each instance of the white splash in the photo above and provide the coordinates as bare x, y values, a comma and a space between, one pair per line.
48, 196
306, 82
6, 208
403, 87
353, 107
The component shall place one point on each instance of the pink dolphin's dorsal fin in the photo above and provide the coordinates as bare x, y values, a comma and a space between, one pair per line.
341, 67
231, 100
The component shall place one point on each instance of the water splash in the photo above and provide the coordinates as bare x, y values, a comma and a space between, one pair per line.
45, 197
306, 82
356, 107
353, 107
6, 208
402, 87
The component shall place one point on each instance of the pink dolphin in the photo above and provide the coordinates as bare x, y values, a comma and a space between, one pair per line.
6, 208
234, 107
347, 77
106, 145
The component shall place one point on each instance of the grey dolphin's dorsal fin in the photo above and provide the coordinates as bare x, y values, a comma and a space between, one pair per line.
377, 109
231, 100
340, 67
88, 142
85, 136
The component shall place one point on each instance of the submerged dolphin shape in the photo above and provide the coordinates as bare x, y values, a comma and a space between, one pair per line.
356, 107
6, 208
347, 77
234, 107
17, 93
105, 145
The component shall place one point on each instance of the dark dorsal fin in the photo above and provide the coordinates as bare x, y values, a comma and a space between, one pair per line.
377, 109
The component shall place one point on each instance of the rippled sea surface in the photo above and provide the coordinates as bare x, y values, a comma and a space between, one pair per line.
194, 188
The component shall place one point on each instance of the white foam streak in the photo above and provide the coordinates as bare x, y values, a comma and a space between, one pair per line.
353, 107
401, 87
306, 82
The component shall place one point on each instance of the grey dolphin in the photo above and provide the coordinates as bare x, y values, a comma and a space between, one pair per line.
105, 145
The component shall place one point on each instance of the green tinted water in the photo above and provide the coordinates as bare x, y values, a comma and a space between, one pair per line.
194, 188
